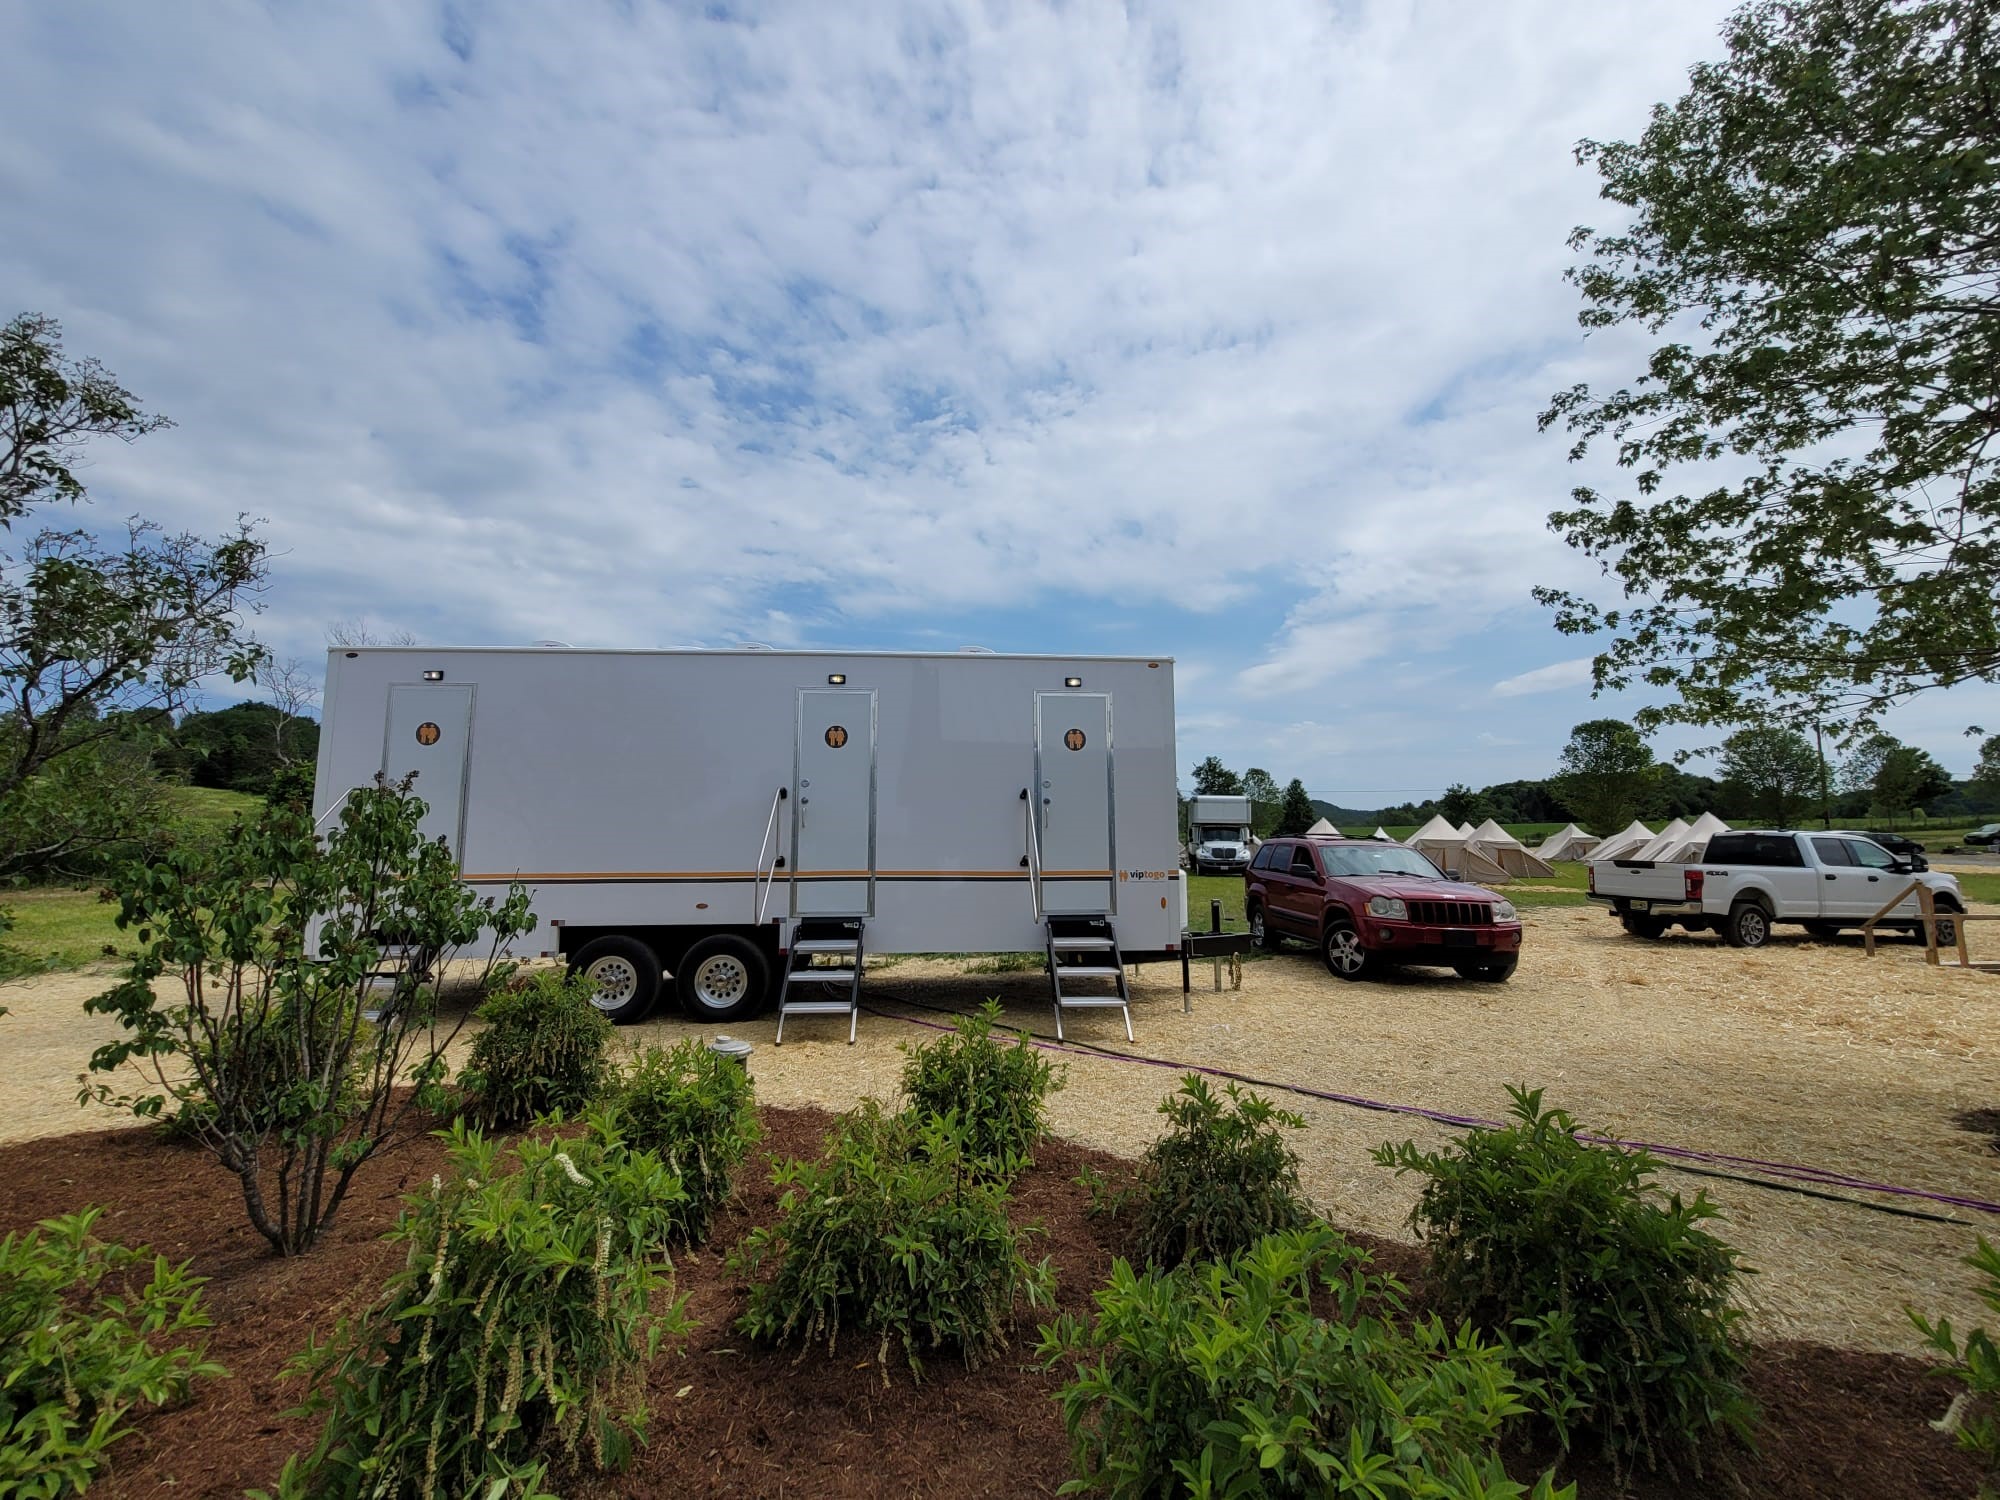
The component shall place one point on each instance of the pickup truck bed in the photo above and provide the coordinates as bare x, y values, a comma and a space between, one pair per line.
1748, 882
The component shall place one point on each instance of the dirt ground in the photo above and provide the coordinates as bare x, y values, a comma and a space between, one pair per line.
1802, 1052
732, 1418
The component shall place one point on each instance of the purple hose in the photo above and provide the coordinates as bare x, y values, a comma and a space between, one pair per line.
1818, 1176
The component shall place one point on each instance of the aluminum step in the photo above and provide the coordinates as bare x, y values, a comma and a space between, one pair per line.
1087, 971
822, 976
817, 1007
1081, 1002
1083, 945
826, 945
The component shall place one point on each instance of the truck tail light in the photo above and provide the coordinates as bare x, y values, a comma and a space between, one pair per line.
1693, 879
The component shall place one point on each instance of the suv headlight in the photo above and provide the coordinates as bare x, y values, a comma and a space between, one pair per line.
1388, 906
1505, 911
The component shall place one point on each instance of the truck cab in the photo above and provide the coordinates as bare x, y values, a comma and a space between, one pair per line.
1747, 882
1219, 841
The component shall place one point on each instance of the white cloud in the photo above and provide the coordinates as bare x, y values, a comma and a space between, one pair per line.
1555, 676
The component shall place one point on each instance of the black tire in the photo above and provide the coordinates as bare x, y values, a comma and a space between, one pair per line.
1748, 926
1640, 925
1493, 971
1262, 934
722, 978
627, 974
1947, 932
1340, 948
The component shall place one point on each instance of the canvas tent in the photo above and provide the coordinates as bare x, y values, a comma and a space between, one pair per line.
1466, 830
1570, 843
1625, 845
1508, 852
1663, 843
1688, 847
1381, 834
1438, 842
1479, 864
1323, 829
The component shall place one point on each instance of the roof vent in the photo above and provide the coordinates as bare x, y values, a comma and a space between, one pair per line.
554, 645
976, 650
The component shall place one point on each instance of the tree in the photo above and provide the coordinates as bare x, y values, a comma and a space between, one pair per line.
50, 407
356, 631
1296, 815
1812, 242
1770, 772
1986, 774
1262, 790
286, 1064
237, 748
1607, 776
87, 631
1213, 779
1907, 778
1460, 804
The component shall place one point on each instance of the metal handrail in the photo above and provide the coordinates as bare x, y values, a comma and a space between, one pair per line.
767, 876
1034, 856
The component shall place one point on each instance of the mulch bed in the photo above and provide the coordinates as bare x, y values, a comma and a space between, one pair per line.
757, 1422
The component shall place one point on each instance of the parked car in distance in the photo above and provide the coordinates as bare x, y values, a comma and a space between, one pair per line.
1750, 880
1906, 849
1985, 836
1365, 904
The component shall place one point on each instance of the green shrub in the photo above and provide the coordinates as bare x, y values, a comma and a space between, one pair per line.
893, 1234
696, 1111
262, 1068
1610, 1289
998, 1090
1976, 1365
1220, 1179
517, 1335
1219, 1380
74, 1360
546, 1047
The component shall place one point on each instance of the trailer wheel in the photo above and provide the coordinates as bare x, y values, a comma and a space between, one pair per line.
626, 973
1749, 926
722, 978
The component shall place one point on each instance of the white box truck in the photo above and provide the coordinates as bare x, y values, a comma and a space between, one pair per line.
1219, 835
748, 825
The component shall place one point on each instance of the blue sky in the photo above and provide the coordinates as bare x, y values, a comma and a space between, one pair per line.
1209, 331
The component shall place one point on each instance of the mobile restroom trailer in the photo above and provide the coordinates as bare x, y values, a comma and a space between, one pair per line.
749, 825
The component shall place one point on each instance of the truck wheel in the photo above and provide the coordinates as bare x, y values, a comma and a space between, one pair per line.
626, 973
722, 978
1342, 950
1641, 926
1262, 935
1494, 971
1947, 932
1749, 926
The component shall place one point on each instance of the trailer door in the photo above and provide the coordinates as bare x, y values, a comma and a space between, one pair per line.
833, 804
430, 733
1073, 772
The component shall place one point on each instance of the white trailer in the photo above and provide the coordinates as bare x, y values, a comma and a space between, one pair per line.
748, 825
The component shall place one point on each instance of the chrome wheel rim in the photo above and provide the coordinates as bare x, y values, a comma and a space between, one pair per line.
617, 981
1753, 929
1343, 949
721, 981
1257, 926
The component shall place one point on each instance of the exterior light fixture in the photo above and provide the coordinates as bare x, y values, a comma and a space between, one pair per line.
433, 675
1072, 682
836, 679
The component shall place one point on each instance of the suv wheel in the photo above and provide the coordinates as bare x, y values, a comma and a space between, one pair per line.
1748, 926
1260, 934
1342, 950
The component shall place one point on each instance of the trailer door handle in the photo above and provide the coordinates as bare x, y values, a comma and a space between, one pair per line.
1832, 877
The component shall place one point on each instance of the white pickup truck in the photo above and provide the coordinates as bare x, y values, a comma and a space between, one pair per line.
1746, 882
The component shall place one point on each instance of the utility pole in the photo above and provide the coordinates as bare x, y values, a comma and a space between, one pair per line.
1825, 820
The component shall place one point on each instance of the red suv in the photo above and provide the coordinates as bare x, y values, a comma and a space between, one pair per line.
1364, 903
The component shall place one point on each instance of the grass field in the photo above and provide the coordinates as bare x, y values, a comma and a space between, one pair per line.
208, 807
